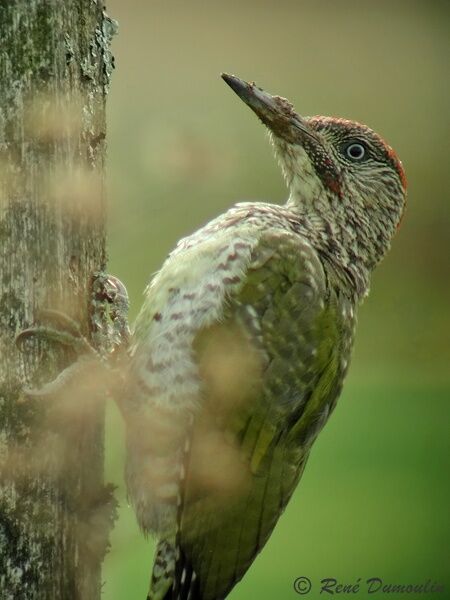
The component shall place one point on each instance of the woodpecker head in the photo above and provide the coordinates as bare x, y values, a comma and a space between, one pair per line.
340, 174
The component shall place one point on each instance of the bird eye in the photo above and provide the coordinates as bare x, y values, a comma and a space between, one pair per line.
355, 151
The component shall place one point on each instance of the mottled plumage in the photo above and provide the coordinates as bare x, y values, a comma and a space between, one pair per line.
240, 350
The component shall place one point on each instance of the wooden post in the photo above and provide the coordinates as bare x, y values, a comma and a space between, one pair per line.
55, 511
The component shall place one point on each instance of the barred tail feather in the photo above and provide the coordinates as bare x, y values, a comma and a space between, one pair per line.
161, 584
186, 583
173, 579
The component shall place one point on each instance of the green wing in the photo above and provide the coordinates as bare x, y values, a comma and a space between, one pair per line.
271, 373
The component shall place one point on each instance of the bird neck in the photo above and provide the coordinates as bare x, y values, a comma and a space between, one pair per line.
334, 233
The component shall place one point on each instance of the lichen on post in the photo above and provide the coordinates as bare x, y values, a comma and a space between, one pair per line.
55, 510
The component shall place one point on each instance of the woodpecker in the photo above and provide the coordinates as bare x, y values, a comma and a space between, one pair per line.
240, 350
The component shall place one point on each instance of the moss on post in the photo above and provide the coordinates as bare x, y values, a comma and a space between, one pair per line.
55, 511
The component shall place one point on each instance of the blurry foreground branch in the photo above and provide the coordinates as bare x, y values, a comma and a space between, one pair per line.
55, 511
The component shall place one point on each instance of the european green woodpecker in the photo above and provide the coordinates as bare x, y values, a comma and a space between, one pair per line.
240, 350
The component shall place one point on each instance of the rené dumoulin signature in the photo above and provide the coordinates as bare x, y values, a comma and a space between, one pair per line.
332, 586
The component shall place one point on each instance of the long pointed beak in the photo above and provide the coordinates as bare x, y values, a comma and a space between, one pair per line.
275, 112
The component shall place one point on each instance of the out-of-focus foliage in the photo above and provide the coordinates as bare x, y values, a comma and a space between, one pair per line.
374, 498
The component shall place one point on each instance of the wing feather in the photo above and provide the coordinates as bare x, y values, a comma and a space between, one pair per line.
269, 369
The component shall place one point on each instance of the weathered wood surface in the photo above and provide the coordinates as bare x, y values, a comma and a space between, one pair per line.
55, 512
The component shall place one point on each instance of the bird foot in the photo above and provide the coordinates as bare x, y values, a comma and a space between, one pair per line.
108, 329
61, 329
109, 304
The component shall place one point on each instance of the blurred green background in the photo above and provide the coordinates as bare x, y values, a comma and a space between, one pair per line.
374, 500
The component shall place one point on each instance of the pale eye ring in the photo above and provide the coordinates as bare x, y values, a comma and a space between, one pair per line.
355, 151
